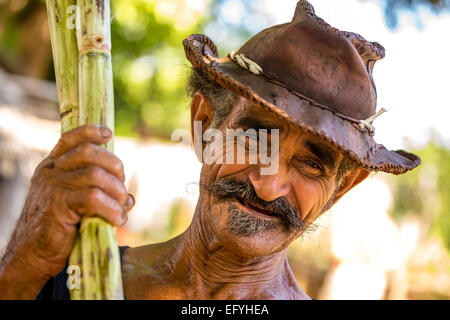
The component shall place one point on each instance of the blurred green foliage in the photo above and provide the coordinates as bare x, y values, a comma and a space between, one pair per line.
150, 68
425, 191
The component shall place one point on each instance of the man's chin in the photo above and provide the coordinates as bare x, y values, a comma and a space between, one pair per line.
256, 245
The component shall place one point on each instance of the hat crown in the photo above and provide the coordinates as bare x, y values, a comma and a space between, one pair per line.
315, 59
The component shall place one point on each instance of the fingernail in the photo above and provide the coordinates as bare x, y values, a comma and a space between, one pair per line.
130, 201
106, 133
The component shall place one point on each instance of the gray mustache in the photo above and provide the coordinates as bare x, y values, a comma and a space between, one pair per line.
227, 189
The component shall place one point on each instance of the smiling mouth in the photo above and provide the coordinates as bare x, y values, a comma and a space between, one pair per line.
248, 207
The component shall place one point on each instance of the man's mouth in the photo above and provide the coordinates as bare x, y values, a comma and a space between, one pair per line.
252, 209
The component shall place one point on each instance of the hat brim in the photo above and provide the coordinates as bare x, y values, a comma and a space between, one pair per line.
358, 146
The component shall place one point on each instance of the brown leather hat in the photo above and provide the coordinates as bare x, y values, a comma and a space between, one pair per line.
314, 75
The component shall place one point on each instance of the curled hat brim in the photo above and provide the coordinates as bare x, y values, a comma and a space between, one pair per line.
358, 146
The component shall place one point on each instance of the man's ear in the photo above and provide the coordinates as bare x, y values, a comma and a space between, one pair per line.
351, 179
202, 111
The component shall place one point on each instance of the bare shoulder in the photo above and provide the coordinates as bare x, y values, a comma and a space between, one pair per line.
145, 271
149, 255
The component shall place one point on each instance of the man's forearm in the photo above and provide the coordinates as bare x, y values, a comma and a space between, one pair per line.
18, 280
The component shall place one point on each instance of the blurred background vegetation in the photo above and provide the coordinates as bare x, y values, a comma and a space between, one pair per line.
150, 72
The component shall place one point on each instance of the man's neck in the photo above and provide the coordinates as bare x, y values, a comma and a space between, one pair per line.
222, 274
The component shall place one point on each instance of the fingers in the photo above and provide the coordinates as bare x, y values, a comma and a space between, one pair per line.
93, 175
88, 154
85, 134
96, 177
94, 202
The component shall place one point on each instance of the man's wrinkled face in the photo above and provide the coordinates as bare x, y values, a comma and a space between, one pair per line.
256, 214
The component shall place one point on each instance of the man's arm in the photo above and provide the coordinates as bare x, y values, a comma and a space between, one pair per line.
79, 178
18, 279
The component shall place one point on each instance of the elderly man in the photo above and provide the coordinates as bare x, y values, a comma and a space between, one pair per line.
308, 85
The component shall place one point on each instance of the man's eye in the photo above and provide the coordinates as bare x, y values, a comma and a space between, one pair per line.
312, 164
309, 167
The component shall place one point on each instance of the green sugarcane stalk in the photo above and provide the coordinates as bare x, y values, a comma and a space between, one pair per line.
83, 71
62, 25
101, 270
65, 58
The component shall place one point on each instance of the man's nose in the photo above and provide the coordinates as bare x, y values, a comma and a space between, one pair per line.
271, 187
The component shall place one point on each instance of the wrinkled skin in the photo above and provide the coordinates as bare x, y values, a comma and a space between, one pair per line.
207, 261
